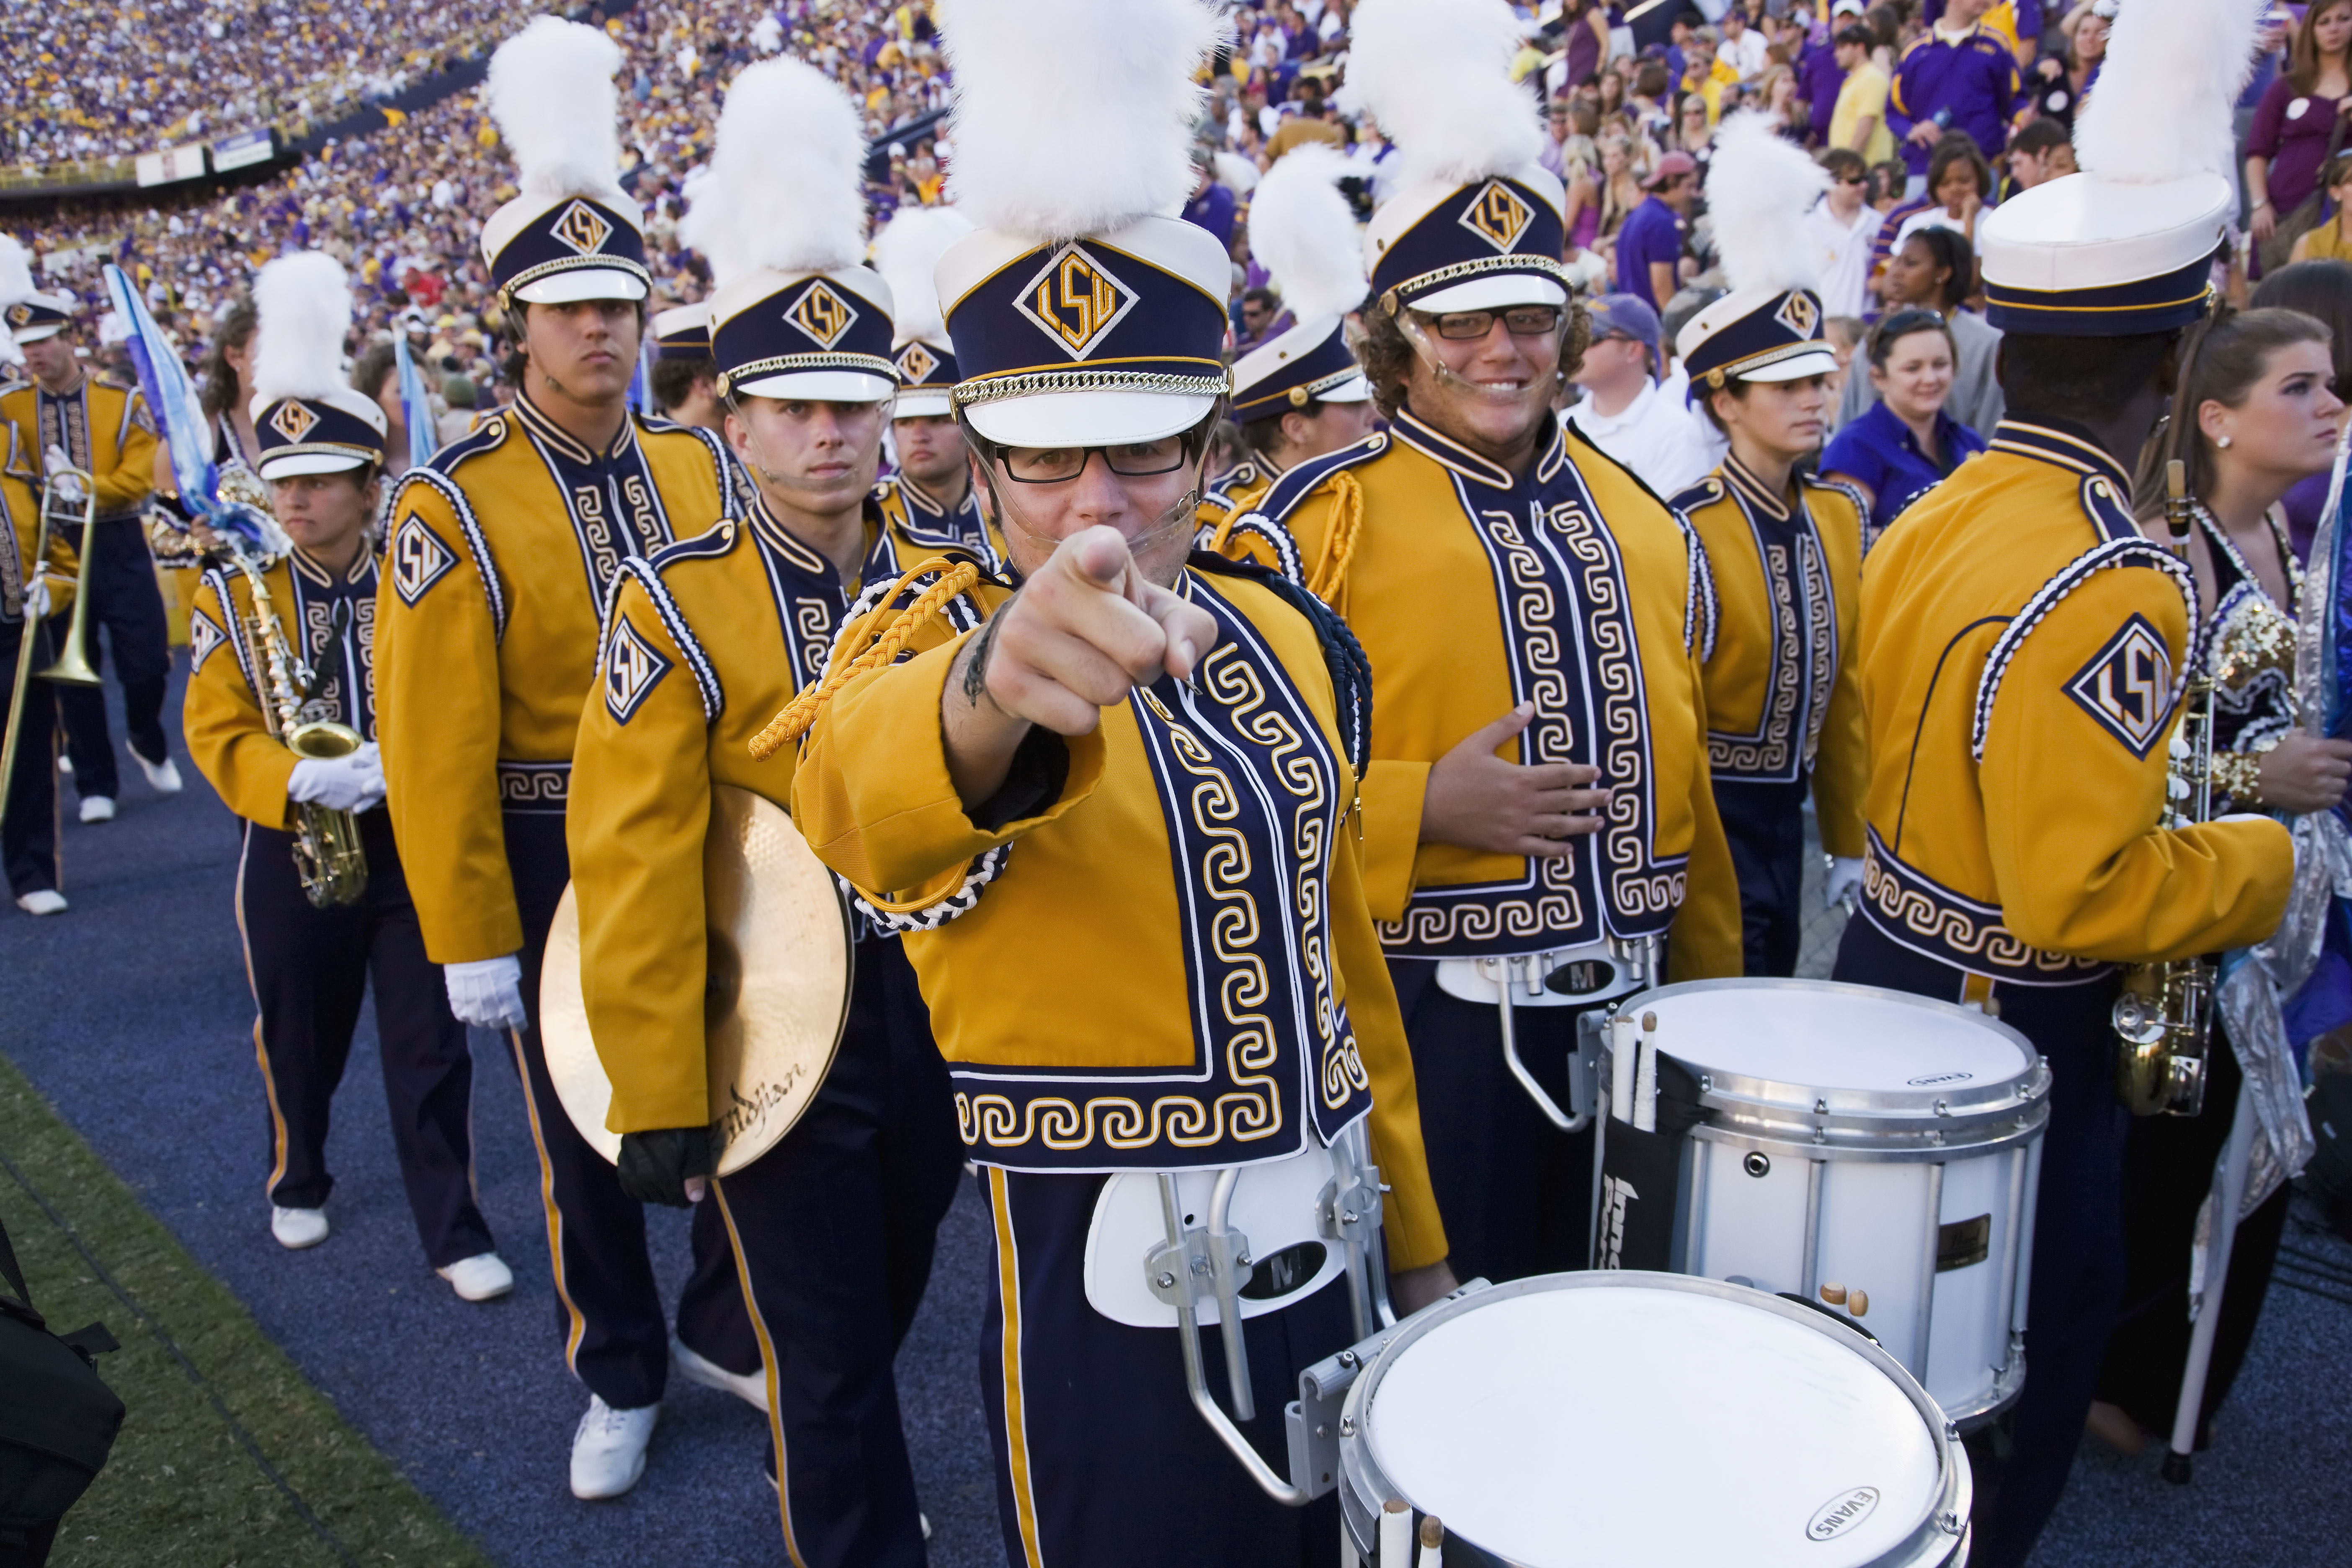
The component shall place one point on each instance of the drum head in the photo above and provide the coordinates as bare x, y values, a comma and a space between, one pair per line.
776, 992
1632, 1418
1881, 1046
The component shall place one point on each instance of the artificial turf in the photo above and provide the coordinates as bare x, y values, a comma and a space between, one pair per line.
227, 1456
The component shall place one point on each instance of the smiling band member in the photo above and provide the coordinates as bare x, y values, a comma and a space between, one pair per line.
502, 557
833, 1226
1119, 798
1537, 806
1784, 549
321, 449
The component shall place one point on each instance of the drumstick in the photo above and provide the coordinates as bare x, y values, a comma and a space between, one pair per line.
1645, 1078
1433, 1544
1620, 1067
1396, 1533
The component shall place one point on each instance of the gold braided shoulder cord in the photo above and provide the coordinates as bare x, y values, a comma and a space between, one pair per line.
1328, 581
809, 701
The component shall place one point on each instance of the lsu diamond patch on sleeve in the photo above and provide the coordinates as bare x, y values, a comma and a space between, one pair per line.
205, 636
2127, 686
419, 559
632, 670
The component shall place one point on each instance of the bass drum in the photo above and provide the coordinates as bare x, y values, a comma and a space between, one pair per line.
1623, 1417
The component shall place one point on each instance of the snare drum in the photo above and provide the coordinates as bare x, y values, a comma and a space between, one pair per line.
1869, 1150
1622, 1418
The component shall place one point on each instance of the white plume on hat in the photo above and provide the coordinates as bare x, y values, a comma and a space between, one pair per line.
783, 186
1305, 232
907, 254
550, 92
302, 308
2162, 108
15, 270
1084, 136
1436, 76
1760, 187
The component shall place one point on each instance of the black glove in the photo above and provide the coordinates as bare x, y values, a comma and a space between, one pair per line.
655, 1166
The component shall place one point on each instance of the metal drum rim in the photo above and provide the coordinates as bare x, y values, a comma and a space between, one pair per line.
1929, 1544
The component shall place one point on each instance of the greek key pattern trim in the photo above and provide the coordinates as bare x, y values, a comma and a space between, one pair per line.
1766, 754
1928, 918
1821, 639
535, 787
2098, 558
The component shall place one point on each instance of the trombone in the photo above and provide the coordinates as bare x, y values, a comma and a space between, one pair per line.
72, 667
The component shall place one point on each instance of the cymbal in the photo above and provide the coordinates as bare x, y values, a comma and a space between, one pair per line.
776, 992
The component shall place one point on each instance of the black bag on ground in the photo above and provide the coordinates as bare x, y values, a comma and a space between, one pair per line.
57, 1419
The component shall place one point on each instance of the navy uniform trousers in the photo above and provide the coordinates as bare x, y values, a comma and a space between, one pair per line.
1764, 825
834, 1230
309, 968
1516, 1192
615, 1336
28, 834
124, 603
1101, 1460
2078, 1232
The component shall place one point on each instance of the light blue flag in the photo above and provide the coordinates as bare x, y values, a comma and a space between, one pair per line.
416, 402
170, 394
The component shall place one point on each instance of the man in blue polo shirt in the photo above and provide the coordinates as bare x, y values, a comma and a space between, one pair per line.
1957, 77
1651, 243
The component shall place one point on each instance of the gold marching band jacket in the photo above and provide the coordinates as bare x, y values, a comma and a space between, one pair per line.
229, 733
499, 566
22, 496
1473, 591
705, 643
2022, 663
1113, 986
1783, 688
918, 520
103, 428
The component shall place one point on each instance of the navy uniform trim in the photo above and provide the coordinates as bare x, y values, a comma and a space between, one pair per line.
2114, 552
470, 526
706, 676
2180, 298
1916, 913
1293, 487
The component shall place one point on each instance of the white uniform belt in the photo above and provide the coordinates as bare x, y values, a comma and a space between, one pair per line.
1562, 977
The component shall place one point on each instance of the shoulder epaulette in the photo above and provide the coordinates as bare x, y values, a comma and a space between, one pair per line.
486, 437
1296, 485
707, 545
1220, 488
1706, 493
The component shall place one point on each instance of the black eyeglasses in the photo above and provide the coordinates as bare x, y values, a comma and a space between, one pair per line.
1521, 321
1854, 179
1127, 459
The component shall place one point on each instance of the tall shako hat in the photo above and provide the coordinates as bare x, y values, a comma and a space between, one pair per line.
782, 222
573, 234
1771, 327
2127, 246
31, 315
1085, 310
1302, 228
682, 331
1475, 222
306, 415
907, 253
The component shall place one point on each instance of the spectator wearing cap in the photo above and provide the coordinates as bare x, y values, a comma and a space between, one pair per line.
1845, 225
1625, 411
1858, 118
1650, 245
1956, 76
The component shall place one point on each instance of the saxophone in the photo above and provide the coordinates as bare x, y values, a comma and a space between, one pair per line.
328, 856
2165, 1011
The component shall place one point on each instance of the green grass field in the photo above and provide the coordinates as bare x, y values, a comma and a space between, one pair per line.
229, 1459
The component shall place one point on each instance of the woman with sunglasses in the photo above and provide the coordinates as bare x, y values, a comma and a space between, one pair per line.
1903, 444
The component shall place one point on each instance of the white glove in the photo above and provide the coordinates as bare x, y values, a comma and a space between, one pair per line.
36, 599
69, 488
1844, 885
340, 783
487, 993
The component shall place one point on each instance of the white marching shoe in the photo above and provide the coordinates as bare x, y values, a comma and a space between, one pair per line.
163, 777
750, 1387
484, 1277
97, 808
42, 902
297, 1229
608, 1451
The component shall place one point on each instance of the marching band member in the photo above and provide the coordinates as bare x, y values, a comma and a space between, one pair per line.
67, 417
1537, 810
1783, 549
502, 554
1302, 394
684, 381
321, 444
931, 498
33, 599
2020, 651
1118, 795
833, 1227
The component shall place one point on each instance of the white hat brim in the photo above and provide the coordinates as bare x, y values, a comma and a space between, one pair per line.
819, 387
273, 469
1355, 389
574, 284
1500, 291
1796, 368
930, 403
34, 334
1087, 418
